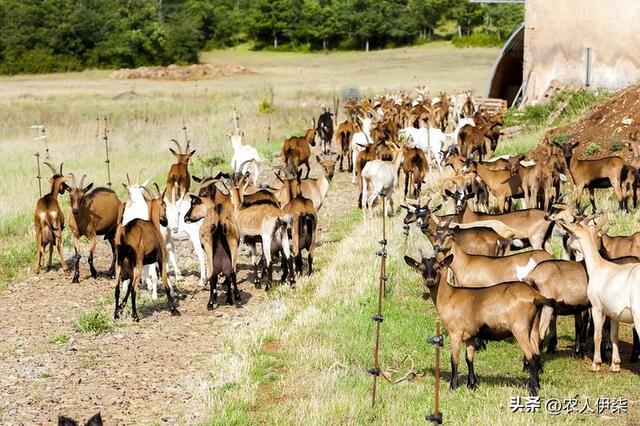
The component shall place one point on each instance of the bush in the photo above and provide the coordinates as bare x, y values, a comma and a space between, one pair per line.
478, 40
265, 106
561, 138
592, 148
616, 145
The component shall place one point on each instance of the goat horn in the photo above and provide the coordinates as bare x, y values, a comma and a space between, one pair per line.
245, 162
53, 169
178, 145
145, 189
82, 180
128, 180
73, 180
61, 167
157, 188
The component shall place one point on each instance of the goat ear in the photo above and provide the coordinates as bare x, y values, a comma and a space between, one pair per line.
436, 208
192, 152
447, 260
66, 421
88, 187
318, 159
449, 193
96, 420
173, 152
412, 262
196, 178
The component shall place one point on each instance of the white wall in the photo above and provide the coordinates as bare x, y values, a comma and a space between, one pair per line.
557, 33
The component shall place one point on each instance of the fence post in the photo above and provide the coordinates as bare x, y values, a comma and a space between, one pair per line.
106, 150
438, 341
378, 318
39, 177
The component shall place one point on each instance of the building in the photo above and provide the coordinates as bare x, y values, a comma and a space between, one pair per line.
569, 43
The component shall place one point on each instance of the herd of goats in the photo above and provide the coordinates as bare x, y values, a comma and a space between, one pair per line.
480, 290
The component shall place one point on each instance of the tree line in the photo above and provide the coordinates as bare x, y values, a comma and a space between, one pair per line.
38, 36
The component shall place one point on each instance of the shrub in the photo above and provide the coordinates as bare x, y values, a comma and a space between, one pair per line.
478, 40
616, 145
59, 338
561, 138
265, 106
592, 148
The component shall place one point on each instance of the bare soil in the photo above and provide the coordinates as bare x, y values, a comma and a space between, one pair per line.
139, 373
607, 125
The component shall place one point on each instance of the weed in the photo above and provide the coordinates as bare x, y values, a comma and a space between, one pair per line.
59, 338
93, 322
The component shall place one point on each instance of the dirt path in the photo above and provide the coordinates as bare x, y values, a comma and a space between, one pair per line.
138, 373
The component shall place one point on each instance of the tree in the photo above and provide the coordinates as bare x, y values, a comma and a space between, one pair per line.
468, 15
427, 13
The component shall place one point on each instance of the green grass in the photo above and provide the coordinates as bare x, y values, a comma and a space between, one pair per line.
17, 247
93, 322
59, 338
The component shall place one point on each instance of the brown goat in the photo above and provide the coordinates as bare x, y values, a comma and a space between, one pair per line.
480, 240
304, 221
178, 176
343, 138
490, 313
415, 167
140, 243
93, 213
48, 220
220, 237
591, 174
296, 150
502, 184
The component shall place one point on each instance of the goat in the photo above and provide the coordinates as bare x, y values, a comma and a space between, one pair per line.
95, 420
245, 157
474, 270
359, 142
179, 229
179, 176
343, 138
612, 289
591, 174
431, 141
532, 223
304, 222
138, 243
313, 189
502, 184
380, 178
296, 150
48, 220
489, 313
415, 168
262, 221
93, 213
220, 236
479, 240
325, 130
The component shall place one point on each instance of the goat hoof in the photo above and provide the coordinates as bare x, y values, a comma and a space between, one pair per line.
615, 367
534, 391
551, 350
595, 366
136, 318
229, 301
210, 306
175, 312
634, 358
257, 284
94, 273
75, 280
116, 315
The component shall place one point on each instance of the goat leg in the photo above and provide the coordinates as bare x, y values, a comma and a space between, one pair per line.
310, 262
116, 312
635, 352
471, 377
553, 335
112, 269
236, 292
92, 249
213, 292
76, 268
455, 354
227, 281
579, 324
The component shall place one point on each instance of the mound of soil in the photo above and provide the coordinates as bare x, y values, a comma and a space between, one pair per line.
177, 72
607, 125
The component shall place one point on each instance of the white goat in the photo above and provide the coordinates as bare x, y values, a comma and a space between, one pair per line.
245, 157
359, 141
380, 177
179, 230
613, 290
431, 141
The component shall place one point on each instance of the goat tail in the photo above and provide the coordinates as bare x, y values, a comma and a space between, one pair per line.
540, 301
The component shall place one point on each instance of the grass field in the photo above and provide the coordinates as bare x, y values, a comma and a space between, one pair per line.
144, 115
